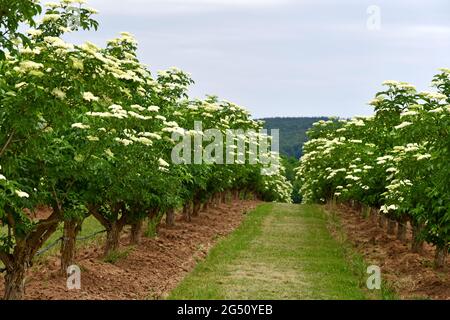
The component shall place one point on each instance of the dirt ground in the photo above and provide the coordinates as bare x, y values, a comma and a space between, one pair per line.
411, 275
149, 271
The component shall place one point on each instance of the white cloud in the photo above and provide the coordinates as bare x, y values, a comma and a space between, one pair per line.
430, 30
240, 3
149, 7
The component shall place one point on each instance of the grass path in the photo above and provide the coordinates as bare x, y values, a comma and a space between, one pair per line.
280, 251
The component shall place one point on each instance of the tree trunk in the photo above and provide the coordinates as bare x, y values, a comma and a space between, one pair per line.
373, 215
136, 232
441, 256
382, 220
228, 197
217, 199
401, 230
196, 209
187, 212
112, 238
154, 219
170, 217
417, 242
205, 206
68, 244
223, 196
236, 195
391, 227
15, 282
24, 250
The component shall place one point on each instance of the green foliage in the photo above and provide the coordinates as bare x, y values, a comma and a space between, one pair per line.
117, 255
290, 164
12, 14
87, 130
396, 160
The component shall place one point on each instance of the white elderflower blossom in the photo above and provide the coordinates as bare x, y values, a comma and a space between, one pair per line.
21, 194
144, 141
93, 138
410, 147
423, 156
65, 29
89, 96
376, 101
92, 10
28, 50
125, 142
391, 83
58, 43
52, 5
153, 108
434, 95
89, 47
27, 65
437, 110
77, 64
58, 93
50, 18
151, 135
138, 116
408, 113
406, 86
171, 124
34, 32
163, 163
109, 153
100, 114
403, 125
73, 1
80, 126
137, 107
20, 85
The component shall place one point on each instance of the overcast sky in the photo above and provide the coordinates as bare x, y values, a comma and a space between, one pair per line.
285, 57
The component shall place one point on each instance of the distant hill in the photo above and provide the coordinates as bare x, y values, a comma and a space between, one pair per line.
292, 133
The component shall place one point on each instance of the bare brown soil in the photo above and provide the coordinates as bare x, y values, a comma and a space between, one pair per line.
149, 271
412, 275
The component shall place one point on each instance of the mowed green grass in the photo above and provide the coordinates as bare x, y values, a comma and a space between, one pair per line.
280, 251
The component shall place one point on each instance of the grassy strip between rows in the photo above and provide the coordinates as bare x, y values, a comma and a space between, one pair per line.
280, 251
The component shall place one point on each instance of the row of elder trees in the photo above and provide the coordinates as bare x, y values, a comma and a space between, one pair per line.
87, 130
396, 160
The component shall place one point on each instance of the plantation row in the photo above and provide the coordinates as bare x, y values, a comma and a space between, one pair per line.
89, 131
396, 161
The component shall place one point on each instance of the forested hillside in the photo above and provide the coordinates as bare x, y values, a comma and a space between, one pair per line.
292, 133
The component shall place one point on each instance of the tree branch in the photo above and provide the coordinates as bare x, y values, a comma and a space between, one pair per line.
97, 215
7, 143
6, 259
